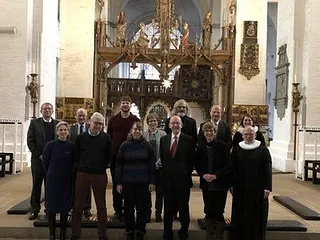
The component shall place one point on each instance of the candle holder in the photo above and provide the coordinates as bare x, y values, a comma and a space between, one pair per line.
33, 88
296, 98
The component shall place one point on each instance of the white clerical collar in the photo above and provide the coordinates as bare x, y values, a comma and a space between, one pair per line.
241, 129
250, 146
45, 120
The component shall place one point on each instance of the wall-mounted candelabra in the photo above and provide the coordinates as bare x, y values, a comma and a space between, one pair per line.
33, 88
296, 98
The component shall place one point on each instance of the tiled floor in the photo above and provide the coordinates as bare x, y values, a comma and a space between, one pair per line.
15, 188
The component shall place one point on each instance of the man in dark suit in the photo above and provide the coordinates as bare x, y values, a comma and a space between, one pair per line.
223, 133
79, 127
177, 155
189, 126
41, 131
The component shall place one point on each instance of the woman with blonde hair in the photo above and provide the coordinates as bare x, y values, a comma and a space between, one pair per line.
58, 162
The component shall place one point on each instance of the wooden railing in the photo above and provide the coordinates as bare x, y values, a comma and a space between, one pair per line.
144, 87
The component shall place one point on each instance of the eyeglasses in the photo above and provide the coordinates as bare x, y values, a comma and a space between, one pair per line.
46, 108
153, 120
98, 123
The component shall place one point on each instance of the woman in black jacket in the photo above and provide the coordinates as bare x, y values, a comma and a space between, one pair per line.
214, 168
247, 120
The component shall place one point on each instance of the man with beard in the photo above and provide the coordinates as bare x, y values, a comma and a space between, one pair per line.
251, 186
119, 127
189, 125
223, 133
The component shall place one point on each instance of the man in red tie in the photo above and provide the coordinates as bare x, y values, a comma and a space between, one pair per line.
176, 154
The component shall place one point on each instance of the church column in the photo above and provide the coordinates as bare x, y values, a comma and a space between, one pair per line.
251, 91
298, 29
76, 48
48, 51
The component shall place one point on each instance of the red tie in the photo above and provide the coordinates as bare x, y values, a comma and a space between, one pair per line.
174, 146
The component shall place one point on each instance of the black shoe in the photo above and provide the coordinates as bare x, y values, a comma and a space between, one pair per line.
87, 213
130, 235
103, 238
33, 215
140, 236
74, 237
158, 217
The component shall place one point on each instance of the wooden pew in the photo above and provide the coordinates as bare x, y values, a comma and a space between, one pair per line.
314, 166
6, 158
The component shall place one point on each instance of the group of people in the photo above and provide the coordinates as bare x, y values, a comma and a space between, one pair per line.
73, 160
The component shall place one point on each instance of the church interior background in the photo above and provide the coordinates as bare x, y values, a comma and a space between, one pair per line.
249, 56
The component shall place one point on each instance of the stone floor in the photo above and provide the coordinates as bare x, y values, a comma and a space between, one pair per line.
15, 188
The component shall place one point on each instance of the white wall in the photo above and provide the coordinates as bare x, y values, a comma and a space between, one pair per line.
77, 48
251, 91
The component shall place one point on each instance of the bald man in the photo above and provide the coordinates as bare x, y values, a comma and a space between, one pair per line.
251, 186
223, 132
77, 128
177, 151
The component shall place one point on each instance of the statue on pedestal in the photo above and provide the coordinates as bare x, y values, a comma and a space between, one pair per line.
121, 30
207, 30
143, 40
33, 88
185, 36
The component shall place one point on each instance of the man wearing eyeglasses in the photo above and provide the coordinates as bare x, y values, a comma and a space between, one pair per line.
251, 186
93, 158
41, 131
77, 128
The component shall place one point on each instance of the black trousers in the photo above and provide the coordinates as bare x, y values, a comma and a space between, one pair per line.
136, 196
116, 197
214, 204
159, 194
38, 177
176, 198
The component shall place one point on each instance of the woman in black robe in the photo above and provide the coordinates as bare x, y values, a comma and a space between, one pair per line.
58, 162
247, 120
213, 165
251, 186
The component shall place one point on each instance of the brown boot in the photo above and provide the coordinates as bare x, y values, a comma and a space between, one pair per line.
219, 230
209, 229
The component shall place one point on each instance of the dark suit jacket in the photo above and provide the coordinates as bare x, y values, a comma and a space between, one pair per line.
177, 171
189, 126
223, 134
74, 131
221, 164
36, 139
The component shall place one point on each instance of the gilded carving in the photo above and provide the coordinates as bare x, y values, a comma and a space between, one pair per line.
249, 57
207, 30
121, 30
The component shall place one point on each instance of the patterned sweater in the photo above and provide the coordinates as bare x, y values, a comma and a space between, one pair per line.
135, 163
